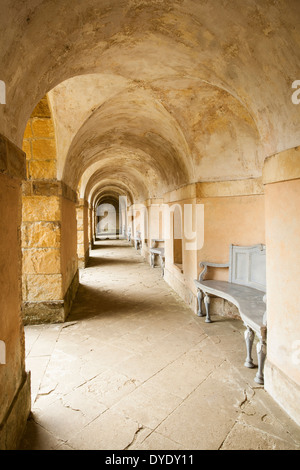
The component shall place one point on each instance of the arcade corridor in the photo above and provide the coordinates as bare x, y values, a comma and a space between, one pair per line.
175, 124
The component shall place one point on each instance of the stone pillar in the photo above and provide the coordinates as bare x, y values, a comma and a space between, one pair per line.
82, 233
69, 260
282, 200
180, 271
14, 381
130, 223
155, 224
49, 278
91, 226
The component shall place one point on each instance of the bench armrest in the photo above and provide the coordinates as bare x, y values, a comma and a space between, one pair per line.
154, 241
206, 265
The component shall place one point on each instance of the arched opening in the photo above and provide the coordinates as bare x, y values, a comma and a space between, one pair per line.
109, 222
177, 237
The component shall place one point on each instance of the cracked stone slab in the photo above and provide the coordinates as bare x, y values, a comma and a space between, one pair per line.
174, 378
148, 405
243, 437
62, 421
109, 387
208, 414
260, 412
156, 441
110, 431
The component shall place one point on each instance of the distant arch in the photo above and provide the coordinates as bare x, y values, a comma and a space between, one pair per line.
2, 92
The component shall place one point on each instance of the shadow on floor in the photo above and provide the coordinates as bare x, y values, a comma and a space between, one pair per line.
96, 261
90, 302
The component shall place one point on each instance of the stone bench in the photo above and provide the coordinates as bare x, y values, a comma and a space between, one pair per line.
137, 240
246, 289
159, 251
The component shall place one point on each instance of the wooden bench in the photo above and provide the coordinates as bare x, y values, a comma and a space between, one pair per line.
159, 251
246, 288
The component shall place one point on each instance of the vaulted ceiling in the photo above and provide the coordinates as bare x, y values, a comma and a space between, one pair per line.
148, 96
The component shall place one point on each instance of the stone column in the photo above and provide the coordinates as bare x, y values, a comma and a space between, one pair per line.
282, 203
155, 223
49, 265
91, 227
14, 381
82, 233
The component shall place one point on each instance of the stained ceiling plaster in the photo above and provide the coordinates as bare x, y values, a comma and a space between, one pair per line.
182, 91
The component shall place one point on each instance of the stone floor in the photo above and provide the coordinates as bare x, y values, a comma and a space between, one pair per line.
134, 368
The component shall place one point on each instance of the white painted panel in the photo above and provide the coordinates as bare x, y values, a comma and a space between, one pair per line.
241, 263
248, 266
2, 92
258, 268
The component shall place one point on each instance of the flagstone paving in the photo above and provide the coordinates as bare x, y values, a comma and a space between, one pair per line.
134, 368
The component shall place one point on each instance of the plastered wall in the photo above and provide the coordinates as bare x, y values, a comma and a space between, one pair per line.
282, 189
232, 213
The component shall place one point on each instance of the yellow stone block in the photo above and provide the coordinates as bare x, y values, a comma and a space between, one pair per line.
80, 251
44, 287
27, 169
41, 261
80, 237
24, 287
26, 147
42, 170
44, 149
80, 224
41, 235
41, 208
79, 213
42, 127
28, 131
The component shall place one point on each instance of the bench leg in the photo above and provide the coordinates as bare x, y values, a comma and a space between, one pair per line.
249, 338
152, 260
261, 356
199, 297
207, 302
162, 266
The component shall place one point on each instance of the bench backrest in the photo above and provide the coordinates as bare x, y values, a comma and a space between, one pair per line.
247, 266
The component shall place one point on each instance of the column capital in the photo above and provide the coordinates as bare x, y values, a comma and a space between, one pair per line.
283, 166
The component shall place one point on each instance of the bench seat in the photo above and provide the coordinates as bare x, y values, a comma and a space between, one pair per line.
249, 301
246, 289
137, 240
157, 251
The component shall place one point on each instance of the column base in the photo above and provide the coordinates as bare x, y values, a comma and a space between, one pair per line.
14, 423
52, 311
283, 390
